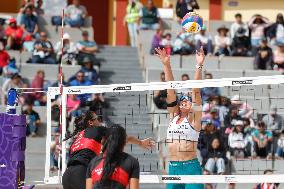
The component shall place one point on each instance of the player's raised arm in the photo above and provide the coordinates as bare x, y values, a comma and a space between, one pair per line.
196, 92
171, 94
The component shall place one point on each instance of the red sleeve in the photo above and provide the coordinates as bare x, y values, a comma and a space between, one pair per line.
19, 33
8, 31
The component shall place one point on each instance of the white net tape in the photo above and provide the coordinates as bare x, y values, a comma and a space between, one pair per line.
137, 89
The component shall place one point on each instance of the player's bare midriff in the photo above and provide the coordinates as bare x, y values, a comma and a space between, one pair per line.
181, 150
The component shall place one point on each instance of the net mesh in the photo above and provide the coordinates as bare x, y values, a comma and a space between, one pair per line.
143, 114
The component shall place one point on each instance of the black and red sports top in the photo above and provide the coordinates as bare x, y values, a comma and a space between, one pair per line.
127, 168
86, 146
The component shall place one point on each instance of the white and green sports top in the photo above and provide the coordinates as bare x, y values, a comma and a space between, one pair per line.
182, 131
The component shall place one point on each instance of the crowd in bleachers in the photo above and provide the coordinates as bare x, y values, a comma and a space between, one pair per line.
259, 37
26, 34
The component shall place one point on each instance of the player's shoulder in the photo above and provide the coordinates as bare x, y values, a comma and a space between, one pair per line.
130, 158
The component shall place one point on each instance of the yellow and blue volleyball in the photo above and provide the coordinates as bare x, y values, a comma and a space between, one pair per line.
192, 22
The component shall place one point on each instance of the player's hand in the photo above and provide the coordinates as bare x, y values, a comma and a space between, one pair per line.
200, 56
147, 143
162, 54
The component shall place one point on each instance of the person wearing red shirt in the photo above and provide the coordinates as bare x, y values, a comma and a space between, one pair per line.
14, 35
4, 58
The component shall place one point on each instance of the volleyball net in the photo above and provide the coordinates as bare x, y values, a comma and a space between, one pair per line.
139, 108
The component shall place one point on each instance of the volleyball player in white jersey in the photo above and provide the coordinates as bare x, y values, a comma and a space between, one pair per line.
184, 126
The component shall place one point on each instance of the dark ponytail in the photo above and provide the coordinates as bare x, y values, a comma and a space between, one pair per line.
112, 149
81, 123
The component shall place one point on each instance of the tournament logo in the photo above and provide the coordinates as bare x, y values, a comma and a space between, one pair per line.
99, 171
244, 82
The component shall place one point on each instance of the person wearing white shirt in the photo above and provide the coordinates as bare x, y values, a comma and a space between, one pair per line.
202, 39
69, 50
222, 42
75, 14
237, 141
238, 24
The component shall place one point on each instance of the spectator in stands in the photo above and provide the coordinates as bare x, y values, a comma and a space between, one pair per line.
184, 44
2, 32
185, 77
156, 41
97, 105
209, 132
87, 48
280, 146
236, 141
33, 120
209, 92
11, 68
224, 107
161, 96
38, 83
264, 56
75, 14
81, 81
69, 50
43, 51
276, 31
216, 158
245, 110
39, 11
55, 149
241, 43
187, 92
30, 22
167, 43
248, 131
235, 27
262, 139
57, 83
14, 82
231, 186
4, 58
273, 121
257, 24
25, 4
89, 71
214, 116
278, 57
28, 44
14, 35
204, 40
73, 106
222, 42
209, 186
131, 18
185, 6
231, 118
150, 17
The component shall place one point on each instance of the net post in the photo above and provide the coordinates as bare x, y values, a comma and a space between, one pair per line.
48, 137
63, 101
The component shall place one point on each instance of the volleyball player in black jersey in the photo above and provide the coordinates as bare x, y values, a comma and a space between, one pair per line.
89, 136
113, 169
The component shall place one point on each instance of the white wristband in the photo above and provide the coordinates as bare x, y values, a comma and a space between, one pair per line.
199, 67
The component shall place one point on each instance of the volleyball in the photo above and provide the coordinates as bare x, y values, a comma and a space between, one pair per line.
192, 22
